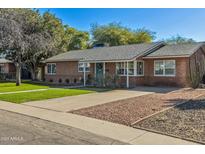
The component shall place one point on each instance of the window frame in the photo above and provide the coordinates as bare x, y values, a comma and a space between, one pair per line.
134, 67
51, 73
83, 67
116, 69
2, 68
164, 68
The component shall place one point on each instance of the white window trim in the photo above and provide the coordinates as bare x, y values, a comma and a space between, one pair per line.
135, 69
164, 75
83, 67
2, 69
47, 68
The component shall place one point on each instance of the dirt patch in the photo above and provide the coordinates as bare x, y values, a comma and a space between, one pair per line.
186, 121
131, 110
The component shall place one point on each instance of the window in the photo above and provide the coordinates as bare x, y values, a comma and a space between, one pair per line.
120, 68
170, 67
159, 67
134, 68
164, 68
51, 68
131, 68
140, 68
81, 67
1, 68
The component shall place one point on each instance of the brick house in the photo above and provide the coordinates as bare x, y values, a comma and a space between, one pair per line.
7, 68
130, 65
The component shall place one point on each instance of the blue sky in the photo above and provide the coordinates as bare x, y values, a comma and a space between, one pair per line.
165, 22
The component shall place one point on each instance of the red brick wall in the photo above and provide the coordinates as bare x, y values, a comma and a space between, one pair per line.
67, 70
12, 68
110, 68
182, 65
181, 78
9, 68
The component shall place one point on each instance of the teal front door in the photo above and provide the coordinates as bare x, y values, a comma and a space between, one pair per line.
99, 71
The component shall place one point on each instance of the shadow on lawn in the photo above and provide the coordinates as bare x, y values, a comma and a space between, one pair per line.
62, 86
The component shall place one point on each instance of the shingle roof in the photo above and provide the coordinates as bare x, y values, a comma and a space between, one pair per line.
175, 50
125, 52
3, 61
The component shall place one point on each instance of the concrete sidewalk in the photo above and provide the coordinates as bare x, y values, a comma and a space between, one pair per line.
65, 104
24, 91
107, 129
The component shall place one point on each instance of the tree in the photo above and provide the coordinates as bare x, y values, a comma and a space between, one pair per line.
40, 43
40, 48
12, 40
65, 38
179, 40
23, 39
114, 34
75, 39
55, 28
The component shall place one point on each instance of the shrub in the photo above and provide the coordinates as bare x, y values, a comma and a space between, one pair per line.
67, 81
89, 79
81, 80
203, 79
60, 80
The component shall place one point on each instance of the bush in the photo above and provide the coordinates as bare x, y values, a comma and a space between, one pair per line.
67, 81
203, 79
89, 79
60, 80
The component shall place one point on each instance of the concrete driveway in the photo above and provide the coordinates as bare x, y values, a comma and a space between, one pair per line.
69, 103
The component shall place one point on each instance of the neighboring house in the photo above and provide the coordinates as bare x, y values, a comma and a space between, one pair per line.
7, 69
131, 65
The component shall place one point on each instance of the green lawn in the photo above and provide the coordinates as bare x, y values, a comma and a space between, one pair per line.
41, 95
11, 87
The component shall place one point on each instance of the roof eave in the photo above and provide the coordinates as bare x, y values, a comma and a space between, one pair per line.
103, 60
61, 60
165, 56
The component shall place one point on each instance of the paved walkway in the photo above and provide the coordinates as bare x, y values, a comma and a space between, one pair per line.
24, 91
107, 129
65, 104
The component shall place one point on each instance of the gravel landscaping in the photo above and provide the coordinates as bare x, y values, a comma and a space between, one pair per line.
131, 110
186, 121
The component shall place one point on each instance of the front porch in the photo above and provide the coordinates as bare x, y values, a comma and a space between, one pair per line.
114, 72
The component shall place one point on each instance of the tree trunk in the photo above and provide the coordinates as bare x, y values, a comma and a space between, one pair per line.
32, 74
18, 74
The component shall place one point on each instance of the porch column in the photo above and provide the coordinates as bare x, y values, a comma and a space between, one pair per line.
95, 70
104, 69
84, 75
127, 76
104, 74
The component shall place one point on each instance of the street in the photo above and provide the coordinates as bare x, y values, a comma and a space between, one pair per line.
20, 129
